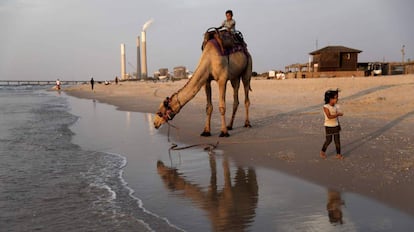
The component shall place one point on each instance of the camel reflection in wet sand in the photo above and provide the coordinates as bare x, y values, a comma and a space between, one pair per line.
334, 207
229, 209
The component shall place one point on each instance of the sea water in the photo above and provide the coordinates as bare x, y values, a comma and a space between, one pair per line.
47, 183
69, 164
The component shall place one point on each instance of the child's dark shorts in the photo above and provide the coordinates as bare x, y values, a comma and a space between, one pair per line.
332, 130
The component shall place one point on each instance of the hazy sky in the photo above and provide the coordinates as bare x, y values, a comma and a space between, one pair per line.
77, 39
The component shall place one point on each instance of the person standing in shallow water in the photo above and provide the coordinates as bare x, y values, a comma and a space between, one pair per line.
332, 127
58, 84
92, 83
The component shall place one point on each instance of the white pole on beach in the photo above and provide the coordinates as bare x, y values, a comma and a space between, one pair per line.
138, 58
123, 65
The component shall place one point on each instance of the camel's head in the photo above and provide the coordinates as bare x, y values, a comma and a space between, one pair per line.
164, 113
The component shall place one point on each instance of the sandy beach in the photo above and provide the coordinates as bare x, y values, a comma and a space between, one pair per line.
287, 129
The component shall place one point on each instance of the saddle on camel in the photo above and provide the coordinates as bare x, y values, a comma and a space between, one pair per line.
226, 42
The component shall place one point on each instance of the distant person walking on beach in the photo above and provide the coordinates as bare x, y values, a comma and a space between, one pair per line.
332, 127
58, 84
116, 80
92, 83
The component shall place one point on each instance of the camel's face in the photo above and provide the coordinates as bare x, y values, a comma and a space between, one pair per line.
160, 117
158, 121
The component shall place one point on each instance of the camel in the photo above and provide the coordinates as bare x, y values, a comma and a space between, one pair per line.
213, 65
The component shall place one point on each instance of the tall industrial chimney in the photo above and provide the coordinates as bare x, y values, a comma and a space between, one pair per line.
123, 66
144, 55
138, 59
144, 48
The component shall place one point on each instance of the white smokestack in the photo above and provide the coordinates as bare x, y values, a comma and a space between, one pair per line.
123, 66
144, 47
138, 58
144, 55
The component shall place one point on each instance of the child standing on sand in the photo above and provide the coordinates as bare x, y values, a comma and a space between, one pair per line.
332, 127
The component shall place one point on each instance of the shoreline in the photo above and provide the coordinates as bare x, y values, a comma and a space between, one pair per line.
287, 130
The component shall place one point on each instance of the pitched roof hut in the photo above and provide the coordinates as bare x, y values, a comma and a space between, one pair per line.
335, 58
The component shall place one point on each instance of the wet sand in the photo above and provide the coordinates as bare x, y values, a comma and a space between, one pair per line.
287, 132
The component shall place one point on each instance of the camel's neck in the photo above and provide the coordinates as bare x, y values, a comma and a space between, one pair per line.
191, 88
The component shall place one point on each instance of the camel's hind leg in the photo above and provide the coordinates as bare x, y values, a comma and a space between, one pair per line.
209, 110
246, 76
235, 83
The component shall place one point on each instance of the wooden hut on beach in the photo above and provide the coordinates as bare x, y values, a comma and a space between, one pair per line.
335, 58
330, 61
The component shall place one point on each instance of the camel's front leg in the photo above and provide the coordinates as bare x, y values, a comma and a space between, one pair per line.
235, 83
222, 107
209, 110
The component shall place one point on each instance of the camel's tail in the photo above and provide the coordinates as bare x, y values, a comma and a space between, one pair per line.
248, 71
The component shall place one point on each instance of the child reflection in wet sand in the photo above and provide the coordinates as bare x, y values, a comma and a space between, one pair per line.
334, 206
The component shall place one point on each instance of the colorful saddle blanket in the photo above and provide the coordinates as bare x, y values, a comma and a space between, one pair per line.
229, 50
226, 42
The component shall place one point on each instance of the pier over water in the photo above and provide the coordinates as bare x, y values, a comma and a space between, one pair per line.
35, 82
